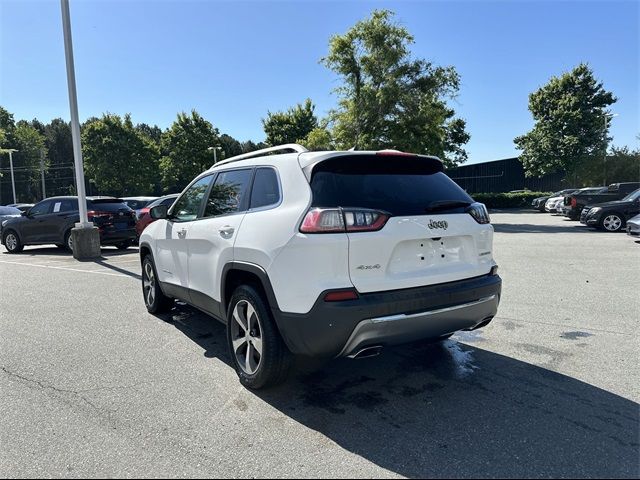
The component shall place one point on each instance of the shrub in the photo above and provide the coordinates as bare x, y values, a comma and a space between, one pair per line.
507, 200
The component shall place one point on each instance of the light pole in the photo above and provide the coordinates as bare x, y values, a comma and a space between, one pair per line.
604, 163
13, 181
85, 237
215, 155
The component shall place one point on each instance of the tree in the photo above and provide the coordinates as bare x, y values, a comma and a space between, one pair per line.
185, 150
118, 159
30, 144
290, 126
318, 139
152, 133
390, 100
621, 165
61, 174
571, 126
230, 146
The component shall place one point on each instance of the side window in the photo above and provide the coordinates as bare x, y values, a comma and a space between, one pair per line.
228, 193
188, 205
41, 208
66, 205
265, 189
168, 202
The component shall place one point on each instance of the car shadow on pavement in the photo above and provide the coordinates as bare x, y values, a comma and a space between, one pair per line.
529, 228
451, 410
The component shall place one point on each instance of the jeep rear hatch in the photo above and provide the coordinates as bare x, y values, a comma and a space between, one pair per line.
407, 223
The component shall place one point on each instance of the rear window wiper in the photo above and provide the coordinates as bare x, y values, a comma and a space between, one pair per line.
446, 204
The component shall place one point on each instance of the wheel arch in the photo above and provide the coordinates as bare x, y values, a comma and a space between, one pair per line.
237, 273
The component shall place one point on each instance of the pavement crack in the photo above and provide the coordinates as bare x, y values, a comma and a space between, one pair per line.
44, 386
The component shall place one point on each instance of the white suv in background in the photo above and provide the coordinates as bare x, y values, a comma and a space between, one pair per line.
326, 254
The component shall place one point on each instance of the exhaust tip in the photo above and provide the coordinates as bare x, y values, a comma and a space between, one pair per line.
366, 352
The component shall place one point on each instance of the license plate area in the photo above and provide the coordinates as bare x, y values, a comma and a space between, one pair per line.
429, 253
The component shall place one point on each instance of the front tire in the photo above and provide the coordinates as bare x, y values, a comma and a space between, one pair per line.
12, 242
612, 222
258, 353
154, 299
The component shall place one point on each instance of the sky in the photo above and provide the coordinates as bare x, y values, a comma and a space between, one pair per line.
234, 61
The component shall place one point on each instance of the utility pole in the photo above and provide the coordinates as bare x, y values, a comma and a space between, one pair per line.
85, 236
44, 191
13, 181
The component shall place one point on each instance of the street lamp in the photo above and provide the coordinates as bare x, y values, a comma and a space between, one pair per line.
85, 236
215, 156
13, 182
604, 163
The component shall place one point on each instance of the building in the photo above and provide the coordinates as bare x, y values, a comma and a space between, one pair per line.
502, 176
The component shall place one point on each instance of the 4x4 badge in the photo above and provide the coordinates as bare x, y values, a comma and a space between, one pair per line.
438, 224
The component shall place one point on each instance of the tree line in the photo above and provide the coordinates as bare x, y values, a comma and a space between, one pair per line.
386, 98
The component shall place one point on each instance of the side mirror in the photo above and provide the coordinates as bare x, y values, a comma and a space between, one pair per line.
159, 212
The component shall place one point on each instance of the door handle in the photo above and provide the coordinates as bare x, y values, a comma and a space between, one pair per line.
226, 231
182, 233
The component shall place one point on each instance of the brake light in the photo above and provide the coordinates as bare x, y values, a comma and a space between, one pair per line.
395, 153
574, 201
479, 213
92, 214
341, 295
341, 220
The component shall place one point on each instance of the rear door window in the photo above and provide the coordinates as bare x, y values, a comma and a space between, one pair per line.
265, 190
402, 186
228, 193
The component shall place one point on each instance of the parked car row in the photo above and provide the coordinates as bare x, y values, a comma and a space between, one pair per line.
613, 208
120, 221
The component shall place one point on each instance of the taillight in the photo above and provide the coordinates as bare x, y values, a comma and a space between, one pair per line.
341, 295
341, 220
479, 212
99, 217
574, 201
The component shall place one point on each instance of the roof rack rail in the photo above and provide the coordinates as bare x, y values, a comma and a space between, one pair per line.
257, 153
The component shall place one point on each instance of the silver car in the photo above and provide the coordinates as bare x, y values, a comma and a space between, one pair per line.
633, 226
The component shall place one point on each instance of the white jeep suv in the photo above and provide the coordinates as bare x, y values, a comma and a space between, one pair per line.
326, 254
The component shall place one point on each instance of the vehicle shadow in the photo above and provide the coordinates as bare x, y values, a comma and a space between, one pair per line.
105, 252
529, 228
452, 410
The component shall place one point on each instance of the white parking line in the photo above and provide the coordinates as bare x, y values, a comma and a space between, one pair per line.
66, 268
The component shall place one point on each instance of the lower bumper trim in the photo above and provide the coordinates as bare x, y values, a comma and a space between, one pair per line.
401, 328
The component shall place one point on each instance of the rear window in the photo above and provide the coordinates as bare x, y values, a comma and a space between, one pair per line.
137, 204
402, 186
107, 205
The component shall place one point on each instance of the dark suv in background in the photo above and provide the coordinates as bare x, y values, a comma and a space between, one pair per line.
51, 221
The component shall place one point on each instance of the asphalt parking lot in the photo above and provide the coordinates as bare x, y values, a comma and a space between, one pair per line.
92, 385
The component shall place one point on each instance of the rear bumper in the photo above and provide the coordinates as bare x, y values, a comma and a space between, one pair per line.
113, 237
633, 229
335, 329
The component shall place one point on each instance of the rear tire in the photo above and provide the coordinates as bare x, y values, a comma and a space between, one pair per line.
68, 242
154, 299
124, 245
12, 242
258, 353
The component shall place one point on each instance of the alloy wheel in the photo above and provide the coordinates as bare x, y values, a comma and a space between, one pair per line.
149, 284
70, 242
246, 337
11, 241
612, 223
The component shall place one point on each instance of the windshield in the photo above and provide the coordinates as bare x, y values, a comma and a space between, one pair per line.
632, 196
